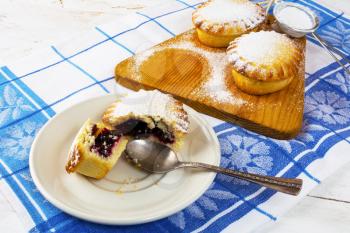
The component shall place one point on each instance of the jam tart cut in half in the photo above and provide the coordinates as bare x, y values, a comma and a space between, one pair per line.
149, 114
264, 62
220, 21
95, 150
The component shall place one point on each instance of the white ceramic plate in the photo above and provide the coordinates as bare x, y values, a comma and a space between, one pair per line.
126, 195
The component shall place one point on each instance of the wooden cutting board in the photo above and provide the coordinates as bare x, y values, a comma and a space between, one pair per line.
200, 77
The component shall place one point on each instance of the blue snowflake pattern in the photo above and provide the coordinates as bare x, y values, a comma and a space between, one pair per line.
307, 133
17, 140
11, 105
304, 138
338, 36
342, 81
197, 210
246, 154
328, 107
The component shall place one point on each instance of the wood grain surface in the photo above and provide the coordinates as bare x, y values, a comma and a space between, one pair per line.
183, 73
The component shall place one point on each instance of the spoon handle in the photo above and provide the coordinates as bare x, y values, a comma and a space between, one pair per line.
284, 185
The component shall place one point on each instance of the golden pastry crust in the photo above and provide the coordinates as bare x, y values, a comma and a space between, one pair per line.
228, 17
258, 87
83, 160
265, 56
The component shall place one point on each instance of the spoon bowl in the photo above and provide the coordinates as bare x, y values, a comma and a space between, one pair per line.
151, 156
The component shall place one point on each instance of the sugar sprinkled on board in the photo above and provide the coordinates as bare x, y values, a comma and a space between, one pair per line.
214, 87
143, 56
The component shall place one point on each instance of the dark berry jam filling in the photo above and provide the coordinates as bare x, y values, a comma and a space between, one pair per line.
94, 130
104, 141
162, 136
139, 129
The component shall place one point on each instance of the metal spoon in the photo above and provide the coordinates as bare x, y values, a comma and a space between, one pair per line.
297, 32
158, 158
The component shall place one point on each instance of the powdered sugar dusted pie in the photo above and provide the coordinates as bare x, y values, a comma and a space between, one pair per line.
220, 21
149, 113
265, 61
95, 150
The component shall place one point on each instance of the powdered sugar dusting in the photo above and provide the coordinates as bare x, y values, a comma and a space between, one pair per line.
223, 11
141, 57
154, 104
214, 87
232, 12
259, 47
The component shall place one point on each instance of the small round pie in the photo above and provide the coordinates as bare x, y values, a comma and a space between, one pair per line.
218, 22
264, 62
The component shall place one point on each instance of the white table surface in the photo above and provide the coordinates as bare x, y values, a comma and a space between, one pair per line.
28, 25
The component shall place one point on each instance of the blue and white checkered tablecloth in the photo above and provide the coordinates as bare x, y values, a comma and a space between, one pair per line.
34, 89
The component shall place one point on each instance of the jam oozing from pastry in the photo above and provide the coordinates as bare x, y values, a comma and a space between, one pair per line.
139, 129
104, 141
